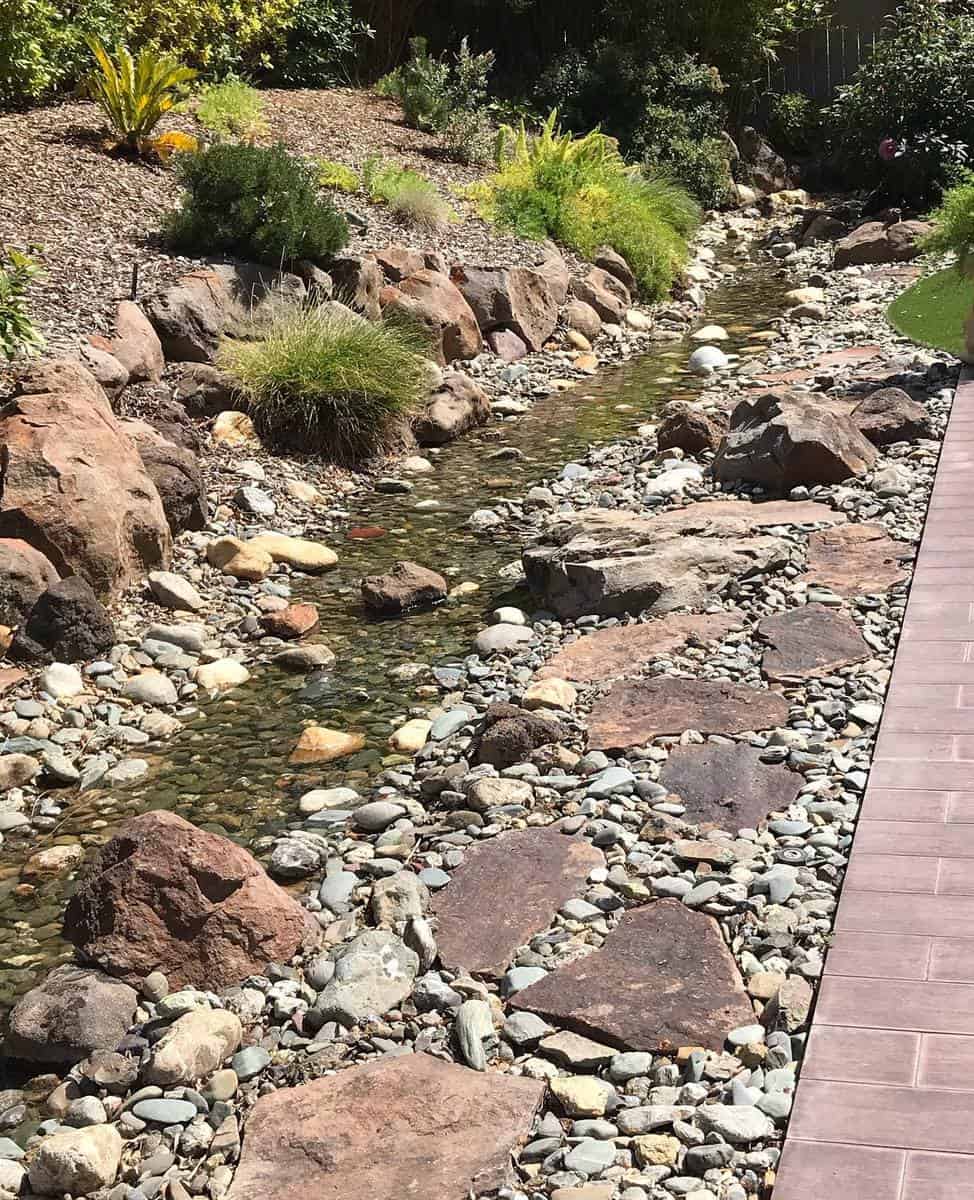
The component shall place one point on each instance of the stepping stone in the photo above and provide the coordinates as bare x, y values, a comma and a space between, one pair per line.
508, 889
396, 1127
633, 713
809, 641
608, 653
856, 560
728, 785
741, 517
662, 979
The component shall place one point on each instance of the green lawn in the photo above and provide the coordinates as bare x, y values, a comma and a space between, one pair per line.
933, 311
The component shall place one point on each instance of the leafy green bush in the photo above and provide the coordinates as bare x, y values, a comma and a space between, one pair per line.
410, 196
468, 137
915, 95
421, 85
580, 191
321, 42
954, 224
18, 334
232, 109
134, 94
259, 203
336, 175
794, 123
328, 379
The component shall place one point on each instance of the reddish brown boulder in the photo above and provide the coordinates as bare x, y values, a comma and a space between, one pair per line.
603, 292
662, 979
406, 585
856, 560
783, 439
98, 359
891, 415
164, 895
632, 713
876, 242
438, 306
728, 786
409, 1126
458, 405
295, 621
24, 575
516, 298
622, 650
583, 318
357, 282
686, 427
74, 486
136, 344
808, 641
536, 869
506, 344
398, 262
609, 260
508, 734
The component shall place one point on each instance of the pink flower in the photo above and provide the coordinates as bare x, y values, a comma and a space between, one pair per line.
888, 149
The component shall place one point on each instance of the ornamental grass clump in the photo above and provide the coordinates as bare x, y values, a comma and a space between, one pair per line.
328, 380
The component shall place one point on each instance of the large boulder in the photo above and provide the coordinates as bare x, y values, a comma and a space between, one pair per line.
406, 585
875, 242
74, 485
891, 415
458, 405
136, 344
782, 440
603, 292
767, 170
68, 623
516, 298
508, 734
357, 283
687, 427
164, 895
24, 574
399, 262
607, 258
613, 563
175, 470
191, 316
204, 391
437, 305
76, 1162
72, 1013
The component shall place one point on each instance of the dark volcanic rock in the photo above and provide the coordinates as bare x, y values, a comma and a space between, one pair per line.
68, 623
633, 713
509, 734
663, 979
409, 1126
811, 640
175, 471
24, 575
728, 786
537, 870
856, 560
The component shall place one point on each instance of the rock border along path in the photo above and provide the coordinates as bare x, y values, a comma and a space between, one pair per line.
885, 1102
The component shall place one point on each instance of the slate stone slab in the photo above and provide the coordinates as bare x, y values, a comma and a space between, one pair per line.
508, 889
409, 1126
856, 560
808, 641
633, 713
728, 786
622, 650
663, 979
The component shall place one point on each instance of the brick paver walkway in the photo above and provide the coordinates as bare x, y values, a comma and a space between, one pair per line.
885, 1105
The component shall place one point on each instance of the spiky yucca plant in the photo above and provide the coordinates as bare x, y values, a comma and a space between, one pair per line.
135, 93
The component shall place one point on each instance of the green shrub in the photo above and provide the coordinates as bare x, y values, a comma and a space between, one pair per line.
232, 110
320, 45
915, 91
259, 203
794, 123
336, 175
330, 380
468, 137
18, 334
410, 196
954, 224
581, 192
421, 85
135, 94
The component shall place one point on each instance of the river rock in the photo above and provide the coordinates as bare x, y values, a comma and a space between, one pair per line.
407, 585
686, 427
808, 641
609, 260
295, 621
150, 687
162, 894
707, 359
856, 560
876, 242
374, 973
514, 298
738, 1124
61, 680
24, 575
634, 712
67, 622
610, 298
728, 786
93, 508
457, 405
193, 1046
411, 737
17, 770
536, 869
300, 553
305, 658
242, 560
583, 318
320, 745
70, 1014
891, 415
663, 979
174, 591
502, 639
398, 262
783, 440
282, 1159
438, 305
624, 649
221, 675
398, 899
76, 1161
508, 734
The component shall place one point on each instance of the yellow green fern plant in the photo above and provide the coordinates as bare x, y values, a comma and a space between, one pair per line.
135, 93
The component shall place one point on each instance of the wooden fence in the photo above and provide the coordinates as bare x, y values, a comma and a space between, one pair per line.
826, 57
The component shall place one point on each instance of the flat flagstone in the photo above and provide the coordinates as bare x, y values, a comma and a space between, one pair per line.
633, 713
808, 641
622, 650
855, 560
405, 1126
739, 517
728, 785
508, 889
662, 979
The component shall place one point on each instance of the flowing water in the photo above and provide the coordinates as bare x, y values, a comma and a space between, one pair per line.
227, 769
